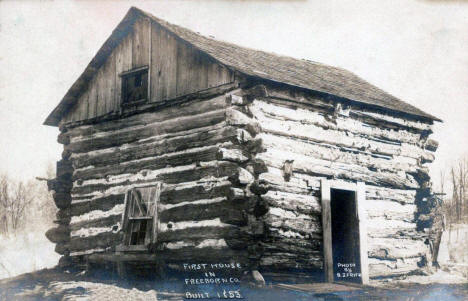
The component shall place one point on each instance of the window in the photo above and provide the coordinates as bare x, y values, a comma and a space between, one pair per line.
134, 86
140, 220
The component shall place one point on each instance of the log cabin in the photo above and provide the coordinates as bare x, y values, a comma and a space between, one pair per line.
178, 148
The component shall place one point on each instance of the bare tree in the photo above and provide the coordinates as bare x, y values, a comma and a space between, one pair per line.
15, 198
4, 197
458, 205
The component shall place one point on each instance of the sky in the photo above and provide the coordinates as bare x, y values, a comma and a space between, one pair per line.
416, 50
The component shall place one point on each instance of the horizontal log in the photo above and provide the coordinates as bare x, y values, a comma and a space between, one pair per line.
105, 221
237, 100
103, 203
61, 248
400, 196
207, 232
156, 146
337, 170
196, 244
281, 261
93, 231
133, 134
408, 233
197, 211
291, 245
376, 118
276, 182
172, 175
279, 234
59, 185
234, 155
78, 257
192, 191
64, 169
58, 234
103, 240
388, 268
307, 116
205, 255
304, 204
431, 145
187, 109
312, 133
237, 118
244, 177
393, 249
63, 214
194, 155
309, 100
391, 210
384, 228
288, 220
343, 155
62, 199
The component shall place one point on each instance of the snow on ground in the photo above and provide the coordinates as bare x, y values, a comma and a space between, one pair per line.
84, 291
25, 253
440, 276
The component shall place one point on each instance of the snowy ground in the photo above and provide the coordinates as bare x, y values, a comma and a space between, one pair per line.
26, 253
72, 286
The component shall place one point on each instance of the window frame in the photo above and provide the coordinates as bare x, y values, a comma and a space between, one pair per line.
124, 76
152, 219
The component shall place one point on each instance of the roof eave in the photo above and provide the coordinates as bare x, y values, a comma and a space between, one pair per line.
122, 29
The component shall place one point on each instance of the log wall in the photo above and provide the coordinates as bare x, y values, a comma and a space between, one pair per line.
306, 138
240, 176
196, 150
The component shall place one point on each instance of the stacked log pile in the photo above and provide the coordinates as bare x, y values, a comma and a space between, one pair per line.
307, 138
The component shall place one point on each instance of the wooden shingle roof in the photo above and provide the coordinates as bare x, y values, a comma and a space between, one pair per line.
282, 69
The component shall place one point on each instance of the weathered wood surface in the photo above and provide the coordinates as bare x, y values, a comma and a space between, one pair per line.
156, 146
189, 148
133, 134
192, 155
321, 140
355, 141
175, 69
195, 106
391, 268
221, 162
317, 103
171, 175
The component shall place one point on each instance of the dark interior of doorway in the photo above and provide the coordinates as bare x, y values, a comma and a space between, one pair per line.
345, 236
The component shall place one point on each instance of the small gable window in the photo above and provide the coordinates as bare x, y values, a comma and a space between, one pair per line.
134, 86
140, 219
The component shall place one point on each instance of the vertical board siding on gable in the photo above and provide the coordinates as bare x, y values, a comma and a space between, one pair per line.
183, 69
92, 98
109, 83
177, 69
102, 92
123, 62
164, 64
84, 106
140, 48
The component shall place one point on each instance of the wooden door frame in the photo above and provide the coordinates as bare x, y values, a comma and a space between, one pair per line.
359, 189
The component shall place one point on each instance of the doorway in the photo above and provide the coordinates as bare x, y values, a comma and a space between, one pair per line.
344, 231
345, 236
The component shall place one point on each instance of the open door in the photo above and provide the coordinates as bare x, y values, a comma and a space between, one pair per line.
344, 232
